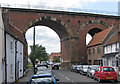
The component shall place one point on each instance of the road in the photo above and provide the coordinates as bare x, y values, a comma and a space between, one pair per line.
68, 77
65, 77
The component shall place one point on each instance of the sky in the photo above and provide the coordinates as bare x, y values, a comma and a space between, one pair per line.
46, 36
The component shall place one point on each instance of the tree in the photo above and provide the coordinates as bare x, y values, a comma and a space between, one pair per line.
56, 59
40, 53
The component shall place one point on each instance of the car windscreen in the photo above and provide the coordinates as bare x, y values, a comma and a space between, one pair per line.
42, 80
42, 68
85, 67
94, 67
108, 69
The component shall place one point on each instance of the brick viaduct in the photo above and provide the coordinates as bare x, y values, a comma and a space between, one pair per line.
71, 27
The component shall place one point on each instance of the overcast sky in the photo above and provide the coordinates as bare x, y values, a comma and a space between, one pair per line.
46, 36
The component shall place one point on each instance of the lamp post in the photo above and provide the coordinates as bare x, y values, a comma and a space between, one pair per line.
34, 47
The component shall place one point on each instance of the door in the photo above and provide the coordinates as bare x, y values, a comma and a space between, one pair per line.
17, 70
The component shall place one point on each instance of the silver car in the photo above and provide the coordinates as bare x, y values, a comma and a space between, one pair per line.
73, 68
84, 69
77, 68
91, 70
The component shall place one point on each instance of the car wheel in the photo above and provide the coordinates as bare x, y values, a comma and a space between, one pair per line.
82, 73
94, 78
57, 68
91, 76
99, 80
116, 81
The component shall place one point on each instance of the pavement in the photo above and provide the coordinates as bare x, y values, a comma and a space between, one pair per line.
26, 77
29, 73
118, 78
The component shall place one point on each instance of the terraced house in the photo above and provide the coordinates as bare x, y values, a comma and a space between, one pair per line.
102, 44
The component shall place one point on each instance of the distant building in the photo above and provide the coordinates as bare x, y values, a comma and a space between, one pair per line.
55, 57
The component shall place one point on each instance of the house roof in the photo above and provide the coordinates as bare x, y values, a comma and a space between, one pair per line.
55, 54
113, 38
99, 37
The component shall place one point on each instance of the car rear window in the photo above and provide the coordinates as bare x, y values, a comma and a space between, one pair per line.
108, 69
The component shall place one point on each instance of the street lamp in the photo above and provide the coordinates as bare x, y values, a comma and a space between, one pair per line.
34, 47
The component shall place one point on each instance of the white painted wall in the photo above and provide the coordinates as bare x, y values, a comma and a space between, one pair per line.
2, 49
10, 58
20, 57
111, 48
111, 60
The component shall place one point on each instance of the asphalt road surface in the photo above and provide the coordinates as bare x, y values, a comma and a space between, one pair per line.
68, 77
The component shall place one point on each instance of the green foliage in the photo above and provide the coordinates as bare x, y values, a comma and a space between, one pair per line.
56, 59
30, 66
40, 53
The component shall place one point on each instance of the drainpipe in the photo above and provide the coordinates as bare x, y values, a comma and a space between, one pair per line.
119, 43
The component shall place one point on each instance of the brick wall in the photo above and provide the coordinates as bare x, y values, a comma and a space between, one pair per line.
68, 25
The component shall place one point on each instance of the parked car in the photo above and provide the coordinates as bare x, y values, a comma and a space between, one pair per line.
91, 70
39, 65
77, 68
105, 73
42, 79
43, 70
55, 66
84, 69
73, 68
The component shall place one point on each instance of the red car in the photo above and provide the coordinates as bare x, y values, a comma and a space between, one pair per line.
105, 73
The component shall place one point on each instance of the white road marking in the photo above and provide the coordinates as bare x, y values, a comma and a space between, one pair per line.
67, 78
74, 82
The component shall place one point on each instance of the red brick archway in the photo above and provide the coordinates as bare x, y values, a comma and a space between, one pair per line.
70, 26
60, 28
82, 36
57, 25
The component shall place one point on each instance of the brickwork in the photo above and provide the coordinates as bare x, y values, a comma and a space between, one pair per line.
71, 27
94, 53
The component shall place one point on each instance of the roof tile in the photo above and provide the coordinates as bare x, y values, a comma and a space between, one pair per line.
99, 37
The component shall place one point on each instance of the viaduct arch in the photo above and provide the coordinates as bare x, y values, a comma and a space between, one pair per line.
71, 27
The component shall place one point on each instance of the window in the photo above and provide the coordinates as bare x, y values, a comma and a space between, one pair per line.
11, 68
98, 69
113, 61
90, 62
11, 45
106, 61
108, 69
89, 51
98, 50
93, 50
106, 48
